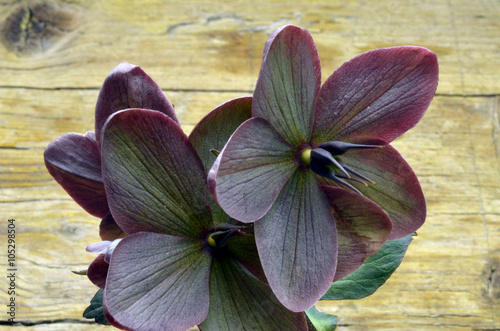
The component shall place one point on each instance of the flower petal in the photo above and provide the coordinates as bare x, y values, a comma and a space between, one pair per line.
153, 176
213, 132
288, 84
128, 86
239, 301
362, 228
105, 247
396, 187
98, 271
244, 250
215, 129
99, 247
157, 282
376, 96
109, 230
251, 170
297, 243
75, 163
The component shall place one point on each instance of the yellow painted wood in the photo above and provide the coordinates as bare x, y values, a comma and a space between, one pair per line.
204, 53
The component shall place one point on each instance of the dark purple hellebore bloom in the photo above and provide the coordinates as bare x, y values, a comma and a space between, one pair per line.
74, 160
181, 264
297, 168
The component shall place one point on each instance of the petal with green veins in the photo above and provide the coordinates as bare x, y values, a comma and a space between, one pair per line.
153, 176
297, 243
213, 132
376, 96
251, 170
288, 84
239, 301
244, 250
156, 270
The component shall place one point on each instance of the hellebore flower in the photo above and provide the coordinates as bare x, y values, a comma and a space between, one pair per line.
74, 160
308, 169
180, 264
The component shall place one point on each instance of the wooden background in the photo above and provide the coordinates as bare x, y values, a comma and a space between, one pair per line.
55, 55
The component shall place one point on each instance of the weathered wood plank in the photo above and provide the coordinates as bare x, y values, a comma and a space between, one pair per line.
193, 45
32, 118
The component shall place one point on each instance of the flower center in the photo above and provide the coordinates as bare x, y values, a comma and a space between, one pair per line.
325, 162
222, 233
305, 157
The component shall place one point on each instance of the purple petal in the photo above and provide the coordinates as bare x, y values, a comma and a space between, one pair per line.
288, 84
215, 129
396, 187
98, 271
109, 230
376, 96
244, 250
75, 163
153, 176
251, 170
297, 243
239, 301
128, 86
362, 228
157, 282
213, 132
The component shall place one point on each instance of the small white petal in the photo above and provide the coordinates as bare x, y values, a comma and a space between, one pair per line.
111, 248
100, 247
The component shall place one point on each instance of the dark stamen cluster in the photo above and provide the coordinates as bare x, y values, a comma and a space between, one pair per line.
223, 232
326, 163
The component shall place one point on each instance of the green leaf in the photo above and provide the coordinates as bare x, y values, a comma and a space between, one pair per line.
320, 320
95, 309
372, 274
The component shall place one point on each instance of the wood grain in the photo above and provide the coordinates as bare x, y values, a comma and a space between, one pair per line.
203, 53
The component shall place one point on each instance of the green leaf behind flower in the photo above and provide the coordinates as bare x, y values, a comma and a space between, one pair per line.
321, 321
372, 274
95, 309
